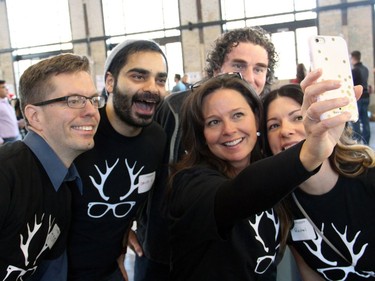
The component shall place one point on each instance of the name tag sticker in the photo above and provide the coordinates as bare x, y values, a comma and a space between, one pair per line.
146, 182
302, 230
52, 236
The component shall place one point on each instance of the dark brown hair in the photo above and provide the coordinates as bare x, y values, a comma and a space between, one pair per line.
192, 123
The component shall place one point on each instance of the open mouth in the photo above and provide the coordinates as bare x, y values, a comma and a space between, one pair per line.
145, 107
146, 103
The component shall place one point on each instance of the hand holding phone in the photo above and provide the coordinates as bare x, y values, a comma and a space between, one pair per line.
330, 53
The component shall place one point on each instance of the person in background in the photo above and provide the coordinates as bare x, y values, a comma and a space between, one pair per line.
222, 222
338, 199
185, 80
119, 173
8, 122
360, 77
245, 50
60, 104
179, 87
300, 74
20, 120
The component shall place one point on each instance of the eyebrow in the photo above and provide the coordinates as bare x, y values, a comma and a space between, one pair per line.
146, 72
245, 62
289, 114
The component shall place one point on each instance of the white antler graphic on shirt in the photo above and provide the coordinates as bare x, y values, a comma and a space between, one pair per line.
21, 273
272, 217
103, 178
318, 252
25, 244
133, 178
255, 226
333, 265
264, 262
119, 209
49, 241
31, 233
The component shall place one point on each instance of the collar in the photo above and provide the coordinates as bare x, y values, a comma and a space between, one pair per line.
54, 167
4, 100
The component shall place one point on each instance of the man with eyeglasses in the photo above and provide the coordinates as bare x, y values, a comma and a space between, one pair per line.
247, 51
119, 173
37, 174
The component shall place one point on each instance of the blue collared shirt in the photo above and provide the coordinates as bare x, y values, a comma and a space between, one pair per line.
56, 170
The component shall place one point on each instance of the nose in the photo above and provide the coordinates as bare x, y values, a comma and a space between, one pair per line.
286, 129
248, 76
150, 86
90, 109
228, 127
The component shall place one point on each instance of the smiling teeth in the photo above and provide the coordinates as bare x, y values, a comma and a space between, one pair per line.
289, 146
233, 143
85, 128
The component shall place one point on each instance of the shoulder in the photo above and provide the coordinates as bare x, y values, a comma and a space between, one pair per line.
13, 151
197, 176
17, 160
368, 177
155, 129
194, 187
174, 101
170, 105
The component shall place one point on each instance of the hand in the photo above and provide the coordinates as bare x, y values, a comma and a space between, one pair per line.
21, 123
134, 244
321, 135
121, 265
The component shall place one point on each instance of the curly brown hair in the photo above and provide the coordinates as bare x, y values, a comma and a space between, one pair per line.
224, 44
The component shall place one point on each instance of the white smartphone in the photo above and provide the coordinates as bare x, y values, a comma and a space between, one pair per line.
330, 53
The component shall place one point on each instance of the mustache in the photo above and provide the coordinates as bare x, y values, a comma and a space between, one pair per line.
146, 97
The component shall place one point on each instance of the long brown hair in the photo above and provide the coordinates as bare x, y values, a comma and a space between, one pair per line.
348, 158
192, 124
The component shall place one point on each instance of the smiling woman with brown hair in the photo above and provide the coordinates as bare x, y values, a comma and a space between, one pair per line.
222, 222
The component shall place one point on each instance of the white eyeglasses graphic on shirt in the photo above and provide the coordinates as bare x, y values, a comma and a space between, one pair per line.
119, 210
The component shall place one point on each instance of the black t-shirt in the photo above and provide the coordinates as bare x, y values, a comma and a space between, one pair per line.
220, 229
117, 176
34, 217
346, 217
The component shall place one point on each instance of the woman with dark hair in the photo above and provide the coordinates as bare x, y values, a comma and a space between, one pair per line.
333, 207
220, 205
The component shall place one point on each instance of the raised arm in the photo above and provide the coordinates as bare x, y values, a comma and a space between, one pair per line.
322, 135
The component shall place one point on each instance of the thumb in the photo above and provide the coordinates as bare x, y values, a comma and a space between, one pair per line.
134, 244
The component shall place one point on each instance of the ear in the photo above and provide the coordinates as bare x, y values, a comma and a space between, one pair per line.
109, 82
33, 115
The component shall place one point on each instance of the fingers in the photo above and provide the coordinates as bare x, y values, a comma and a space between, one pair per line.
310, 78
134, 244
316, 109
312, 89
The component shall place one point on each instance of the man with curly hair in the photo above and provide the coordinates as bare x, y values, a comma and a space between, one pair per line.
245, 50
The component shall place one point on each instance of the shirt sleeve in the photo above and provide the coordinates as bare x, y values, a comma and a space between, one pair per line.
260, 186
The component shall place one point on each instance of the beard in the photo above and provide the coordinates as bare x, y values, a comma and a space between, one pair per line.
125, 107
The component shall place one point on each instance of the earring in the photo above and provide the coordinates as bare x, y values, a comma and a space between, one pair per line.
258, 134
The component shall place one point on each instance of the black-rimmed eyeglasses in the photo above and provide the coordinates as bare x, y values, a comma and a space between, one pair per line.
229, 74
76, 101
